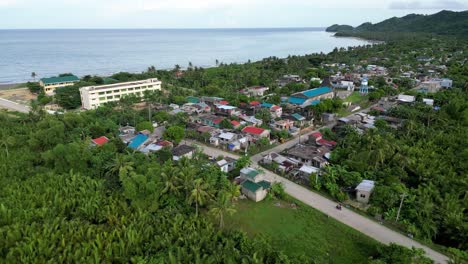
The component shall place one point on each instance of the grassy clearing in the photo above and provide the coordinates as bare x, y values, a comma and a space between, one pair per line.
303, 231
356, 98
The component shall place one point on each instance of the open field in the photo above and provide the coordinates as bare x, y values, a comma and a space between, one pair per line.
21, 96
303, 230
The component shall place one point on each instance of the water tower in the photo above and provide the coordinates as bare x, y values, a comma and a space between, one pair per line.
364, 86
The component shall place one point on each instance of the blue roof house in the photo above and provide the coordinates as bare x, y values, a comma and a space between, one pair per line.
137, 141
311, 97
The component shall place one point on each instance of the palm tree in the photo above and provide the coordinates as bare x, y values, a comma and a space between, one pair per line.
233, 192
199, 194
171, 182
33, 75
221, 207
6, 141
117, 164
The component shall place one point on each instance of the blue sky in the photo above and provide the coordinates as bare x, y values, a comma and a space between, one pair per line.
209, 13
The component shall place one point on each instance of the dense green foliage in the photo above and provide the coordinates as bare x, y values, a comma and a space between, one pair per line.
425, 159
338, 28
62, 200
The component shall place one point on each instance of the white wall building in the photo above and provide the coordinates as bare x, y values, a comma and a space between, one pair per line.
364, 190
94, 96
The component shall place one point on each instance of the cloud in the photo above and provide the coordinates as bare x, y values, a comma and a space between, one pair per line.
441, 4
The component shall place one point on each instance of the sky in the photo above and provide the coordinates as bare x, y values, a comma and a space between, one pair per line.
16, 14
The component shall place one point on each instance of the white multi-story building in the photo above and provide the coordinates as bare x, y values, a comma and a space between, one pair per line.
94, 96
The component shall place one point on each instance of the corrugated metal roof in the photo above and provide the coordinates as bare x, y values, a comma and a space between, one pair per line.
52, 80
296, 100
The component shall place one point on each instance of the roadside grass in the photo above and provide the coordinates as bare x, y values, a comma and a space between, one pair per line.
389, 224
302, 231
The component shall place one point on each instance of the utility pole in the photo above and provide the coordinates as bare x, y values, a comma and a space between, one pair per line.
401, 205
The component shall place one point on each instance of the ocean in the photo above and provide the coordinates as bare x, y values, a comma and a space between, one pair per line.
107, 51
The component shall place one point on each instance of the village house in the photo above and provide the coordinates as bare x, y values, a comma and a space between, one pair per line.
255, 91
311, 97
346, 85
182, 151
276, 111
256, 132
227, 164
289, 78
299, 121
284, 164
207, 129
317, 139
253, 186
227, 137
235, 124
284, 124
127, 133
364, 191
211, 120
251, 120
211, 100
310, 155
99, 141
227, 110
50, 84
305, 171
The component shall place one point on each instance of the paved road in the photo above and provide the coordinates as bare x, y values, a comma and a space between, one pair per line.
13, 106
326, 206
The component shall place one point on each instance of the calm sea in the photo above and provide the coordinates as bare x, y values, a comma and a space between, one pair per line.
102, 52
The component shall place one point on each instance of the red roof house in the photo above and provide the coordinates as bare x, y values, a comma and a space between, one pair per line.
235, 123
224, 102
218, 121
316, 136
100, 140
328, 143
256, 131
254, 103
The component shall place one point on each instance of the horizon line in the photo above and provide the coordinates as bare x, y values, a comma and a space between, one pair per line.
142, 28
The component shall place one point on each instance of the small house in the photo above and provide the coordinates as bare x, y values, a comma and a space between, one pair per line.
182, 151
256, 91
253, 186
256, 132
364, 191
100, 141
227, 164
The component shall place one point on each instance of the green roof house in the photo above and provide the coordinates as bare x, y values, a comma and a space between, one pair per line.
52, 83
253, 186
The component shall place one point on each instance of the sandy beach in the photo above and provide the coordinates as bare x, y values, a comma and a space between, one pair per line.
12, 86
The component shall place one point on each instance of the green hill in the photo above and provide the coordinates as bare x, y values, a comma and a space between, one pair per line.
337, 28
442, 23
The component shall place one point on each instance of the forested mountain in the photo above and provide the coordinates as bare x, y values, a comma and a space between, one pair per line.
338, 28
443, 23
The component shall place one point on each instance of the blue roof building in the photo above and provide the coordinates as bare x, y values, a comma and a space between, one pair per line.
311, 97
137, 141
